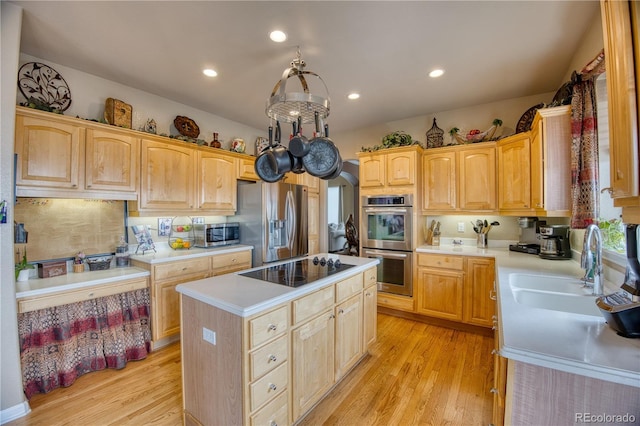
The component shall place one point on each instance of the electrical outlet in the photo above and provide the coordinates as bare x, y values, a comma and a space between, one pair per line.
199, 219
460, 226
209, 335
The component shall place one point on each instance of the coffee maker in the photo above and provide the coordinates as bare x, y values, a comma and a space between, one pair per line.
529, 241
555, 242
621, 310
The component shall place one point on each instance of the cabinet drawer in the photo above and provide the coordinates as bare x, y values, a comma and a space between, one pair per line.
274, 413
308, 306
441, 261
267, 326
58, 299
230, 262
348, 287
370, 277
268, 357
264, 389
181, 268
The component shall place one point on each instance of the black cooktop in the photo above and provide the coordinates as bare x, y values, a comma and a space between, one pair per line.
299, 272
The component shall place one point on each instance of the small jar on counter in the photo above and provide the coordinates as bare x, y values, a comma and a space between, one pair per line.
122, 253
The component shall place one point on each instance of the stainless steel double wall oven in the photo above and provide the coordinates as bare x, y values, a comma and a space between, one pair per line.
387, 235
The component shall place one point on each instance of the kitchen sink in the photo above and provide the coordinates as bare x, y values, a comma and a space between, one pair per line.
553, 293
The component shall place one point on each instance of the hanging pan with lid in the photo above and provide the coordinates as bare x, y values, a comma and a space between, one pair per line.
263, 167
323, 157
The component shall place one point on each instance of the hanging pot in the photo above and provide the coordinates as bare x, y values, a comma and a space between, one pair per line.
297, 166
323, 157
279, 156
337, 171
299, 144
262, 165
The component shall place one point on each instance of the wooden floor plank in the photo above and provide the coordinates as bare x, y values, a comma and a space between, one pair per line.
415, 374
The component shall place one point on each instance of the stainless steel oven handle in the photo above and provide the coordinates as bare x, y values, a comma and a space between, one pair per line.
385, 210
386, 254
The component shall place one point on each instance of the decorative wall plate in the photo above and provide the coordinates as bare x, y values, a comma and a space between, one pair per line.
524, 124
45, 85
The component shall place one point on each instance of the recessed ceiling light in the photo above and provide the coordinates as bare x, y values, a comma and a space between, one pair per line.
436, 73
353, 96
209, 72
277, 36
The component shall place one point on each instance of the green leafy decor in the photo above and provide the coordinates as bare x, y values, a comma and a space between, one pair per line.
392, 140
612, 234
23, 264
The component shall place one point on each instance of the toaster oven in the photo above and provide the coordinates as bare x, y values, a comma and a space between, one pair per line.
216, 234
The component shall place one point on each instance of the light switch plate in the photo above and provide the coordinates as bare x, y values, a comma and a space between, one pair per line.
209, 335
460, 226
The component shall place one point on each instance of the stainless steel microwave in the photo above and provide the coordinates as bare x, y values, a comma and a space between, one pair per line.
216, 234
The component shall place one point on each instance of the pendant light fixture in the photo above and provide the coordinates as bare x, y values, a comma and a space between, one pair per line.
285, 106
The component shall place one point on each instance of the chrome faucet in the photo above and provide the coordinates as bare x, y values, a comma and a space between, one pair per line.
592, 263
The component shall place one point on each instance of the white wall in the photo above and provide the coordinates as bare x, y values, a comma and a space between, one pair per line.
12, 400
89, 93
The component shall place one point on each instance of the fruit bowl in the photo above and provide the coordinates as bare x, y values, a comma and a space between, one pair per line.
181, 236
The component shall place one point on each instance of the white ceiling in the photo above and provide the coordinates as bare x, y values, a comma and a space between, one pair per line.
383, 49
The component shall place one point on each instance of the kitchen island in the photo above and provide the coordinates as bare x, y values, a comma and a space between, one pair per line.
550, 351
256, 352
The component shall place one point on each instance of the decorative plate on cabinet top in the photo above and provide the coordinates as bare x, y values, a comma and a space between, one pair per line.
524, 124
43, 86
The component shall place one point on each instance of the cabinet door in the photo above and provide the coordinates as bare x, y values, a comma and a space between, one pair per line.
216, 182
439, 184
246, 169
167, 176
479, 278
477, 179
348, 334
440, 293
372, 171
49, 153
370, 314
514, 173
111, 161
619, 31
313, 362
312, 182
166, 320
313, 221
401, 168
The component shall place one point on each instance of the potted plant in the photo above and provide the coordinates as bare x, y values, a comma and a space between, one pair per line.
22, 268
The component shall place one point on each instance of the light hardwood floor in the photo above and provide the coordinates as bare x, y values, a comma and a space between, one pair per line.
416, 374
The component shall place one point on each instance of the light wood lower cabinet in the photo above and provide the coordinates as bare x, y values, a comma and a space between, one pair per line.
165, 301
273, 367
456, 288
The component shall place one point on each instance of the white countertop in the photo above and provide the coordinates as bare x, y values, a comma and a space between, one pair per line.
574, 343
73, 281
244, 296
169, 255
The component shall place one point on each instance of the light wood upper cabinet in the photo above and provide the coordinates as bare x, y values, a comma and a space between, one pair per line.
66, 157
112, 160
168, 176
401, 168
310, 181
439, 185
620, 29
372, 171
246, 169
459, 179
551, 162
49, 152
514, 174
216, 183
477, 178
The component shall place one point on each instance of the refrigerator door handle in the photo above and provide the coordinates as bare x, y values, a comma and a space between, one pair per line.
290, 218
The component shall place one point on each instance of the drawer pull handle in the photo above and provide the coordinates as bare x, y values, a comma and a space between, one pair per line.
332, 316
492, 295
272, 386
91, 294
494, 391
273, 358
273, 423
367, 294
341, 311
184, 269
233, 260
273, 327
494, 352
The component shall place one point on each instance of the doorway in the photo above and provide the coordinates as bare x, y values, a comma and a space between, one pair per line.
342, 201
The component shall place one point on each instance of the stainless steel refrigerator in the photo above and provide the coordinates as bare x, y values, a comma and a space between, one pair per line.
273, 218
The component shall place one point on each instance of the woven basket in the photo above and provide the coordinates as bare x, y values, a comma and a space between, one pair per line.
99, 264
